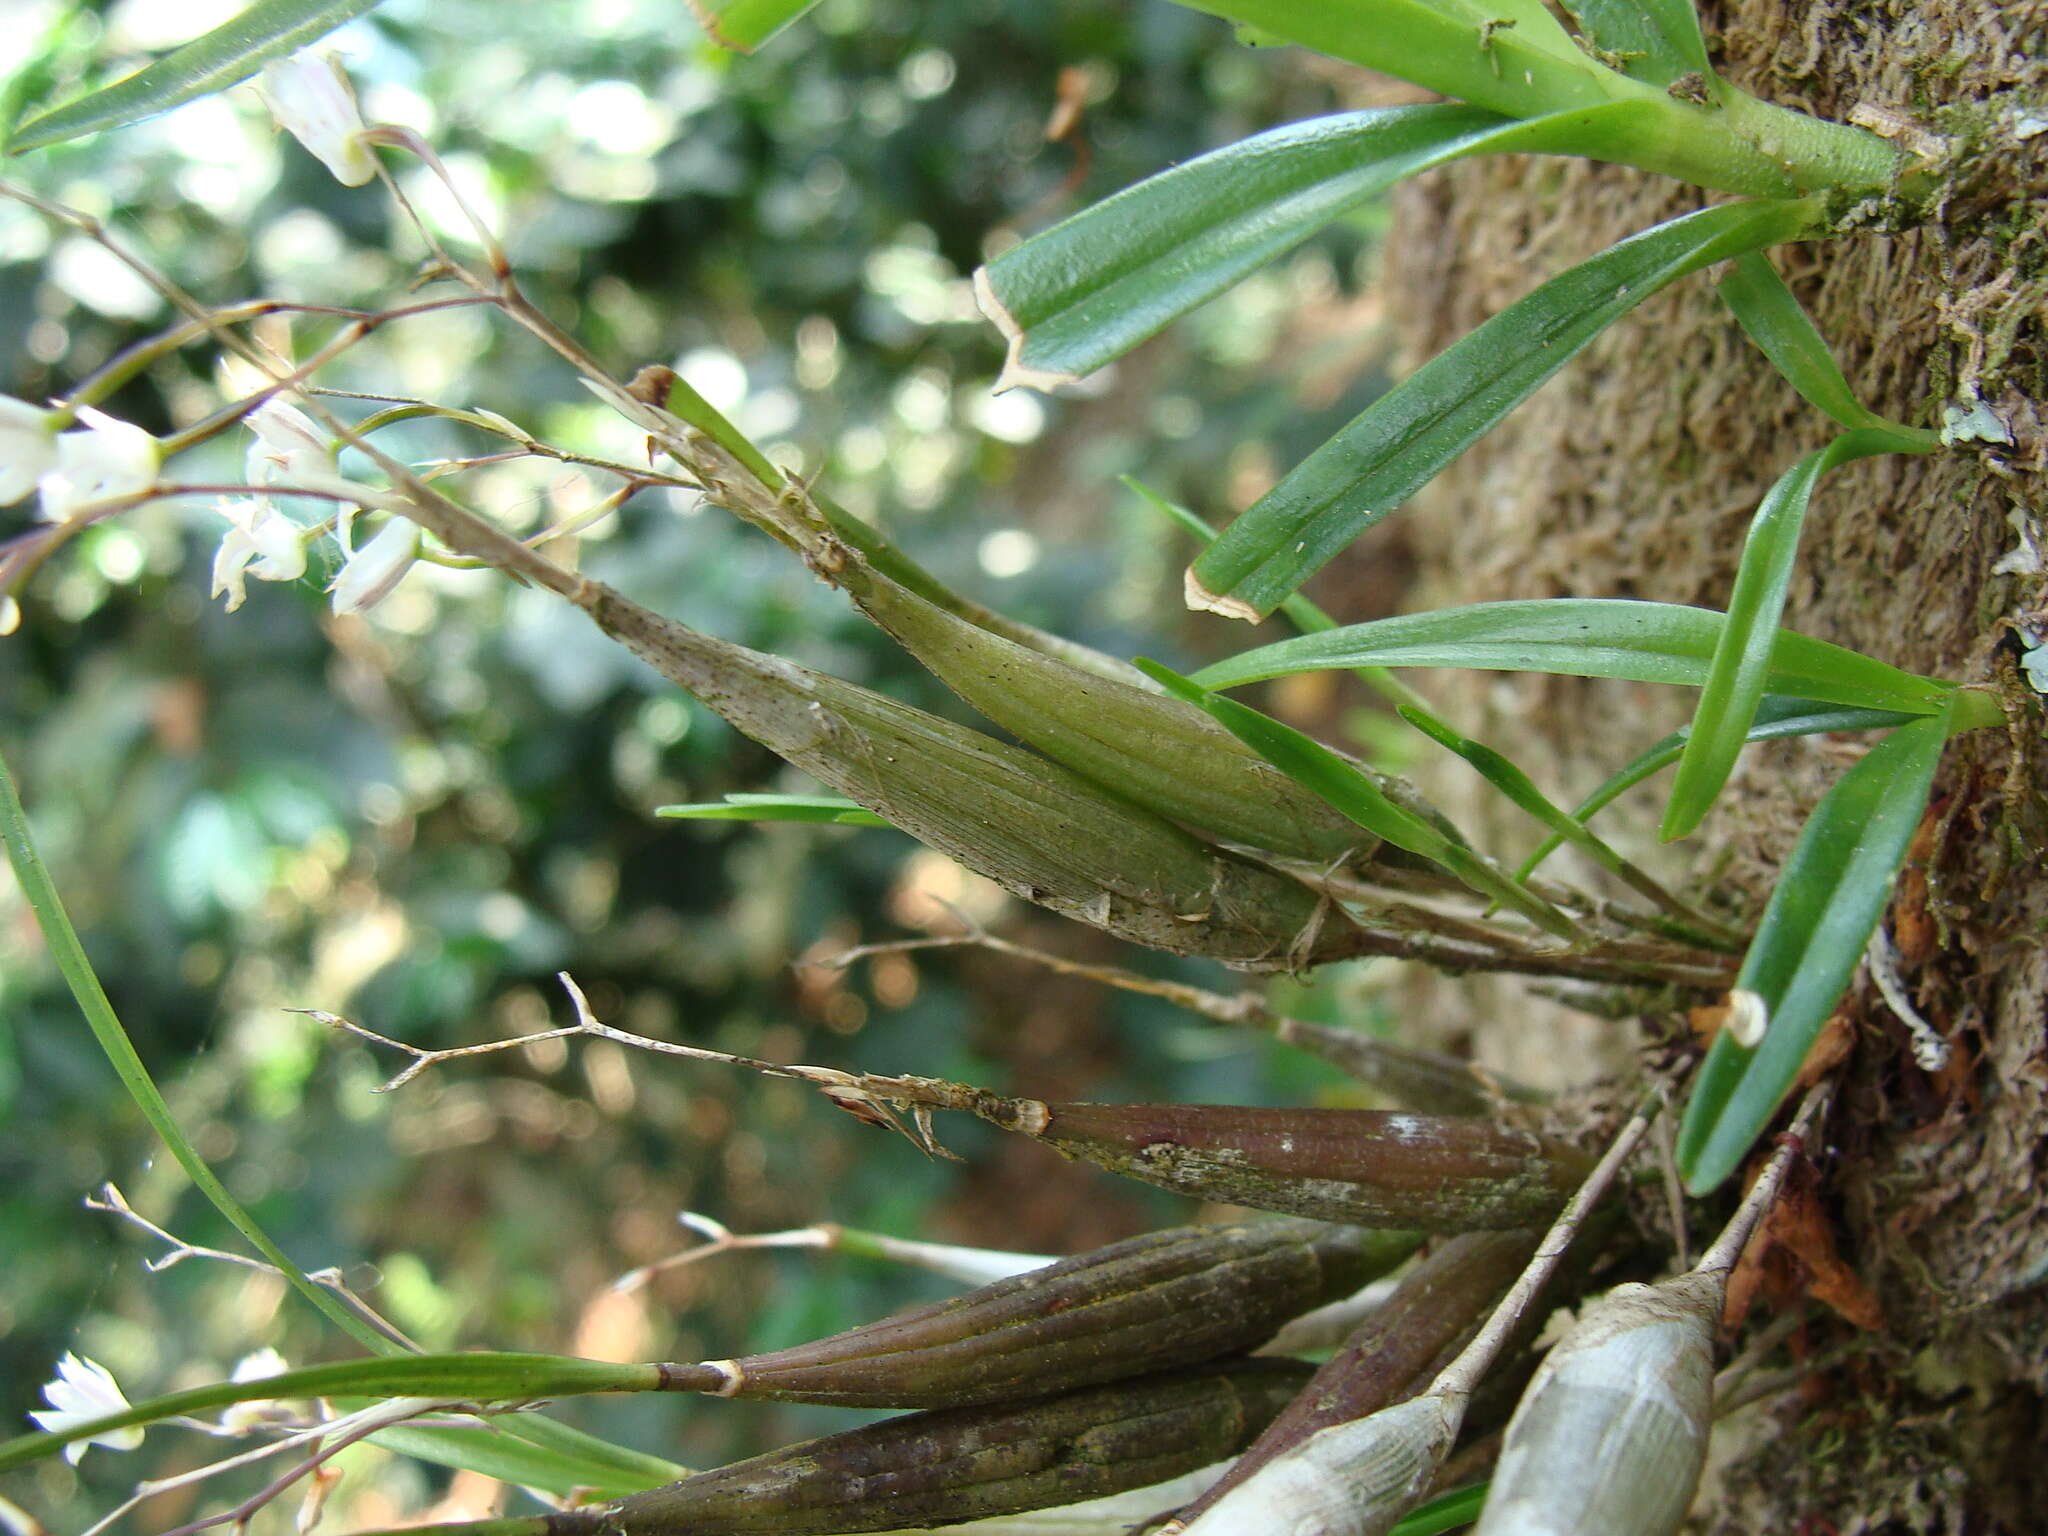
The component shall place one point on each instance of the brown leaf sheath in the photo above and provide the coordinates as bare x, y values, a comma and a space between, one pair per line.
967, 1463
1373, 1167
1150, 1303
1395, 1352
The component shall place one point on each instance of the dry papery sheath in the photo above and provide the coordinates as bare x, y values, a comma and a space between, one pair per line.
1610, 1437
1377, 1168
960, 1464
1397, 1350
1146, 1304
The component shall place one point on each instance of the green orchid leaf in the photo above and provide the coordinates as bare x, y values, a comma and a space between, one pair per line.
1402, 440
1505, 57
1741, 668
744, 25
1584, 637
1812, 934
613, 1473
228, 55
825, 808
1448, 1512
1654, 40
1786, 334
479, 1376
1315, 767
1776, 718
1089, 289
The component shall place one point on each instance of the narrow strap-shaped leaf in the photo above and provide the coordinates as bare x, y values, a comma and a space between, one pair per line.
744, 25
494, 1453
1583, 637
226, 56
1741, 667
1827, 900
1447, 1512
826, 808
1314, 766
1304, 615
1403, 439
1776, 718
1786, 334
1092, 287
1654, 40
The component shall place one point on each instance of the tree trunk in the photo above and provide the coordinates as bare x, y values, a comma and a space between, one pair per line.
1633, 474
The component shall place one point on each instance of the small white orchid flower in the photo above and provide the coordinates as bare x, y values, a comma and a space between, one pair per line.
28, 448
240, 1418
104, 458
289, 447
312, 101
84, 1390
262, 542
370, 573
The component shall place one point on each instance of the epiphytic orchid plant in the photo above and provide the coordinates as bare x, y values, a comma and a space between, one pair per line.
1146, 803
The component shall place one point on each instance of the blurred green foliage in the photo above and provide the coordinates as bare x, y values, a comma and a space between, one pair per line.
417, 820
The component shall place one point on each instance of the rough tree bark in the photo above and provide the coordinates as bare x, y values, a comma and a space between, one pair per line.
1633, 474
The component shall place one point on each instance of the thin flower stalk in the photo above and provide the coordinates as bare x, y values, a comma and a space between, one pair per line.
1429, 1082
974, 1266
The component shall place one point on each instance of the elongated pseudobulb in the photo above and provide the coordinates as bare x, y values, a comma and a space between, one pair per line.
1377, 1168
1149, 1303
1034, 827
1168, 756
959, 1464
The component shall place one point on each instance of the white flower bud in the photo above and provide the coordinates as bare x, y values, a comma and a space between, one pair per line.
369, 574
311, 99
289, 447
241, 1418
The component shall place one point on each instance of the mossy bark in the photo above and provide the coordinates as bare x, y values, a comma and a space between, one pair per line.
1633, 475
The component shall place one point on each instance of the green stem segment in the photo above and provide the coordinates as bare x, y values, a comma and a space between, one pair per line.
1734, 143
